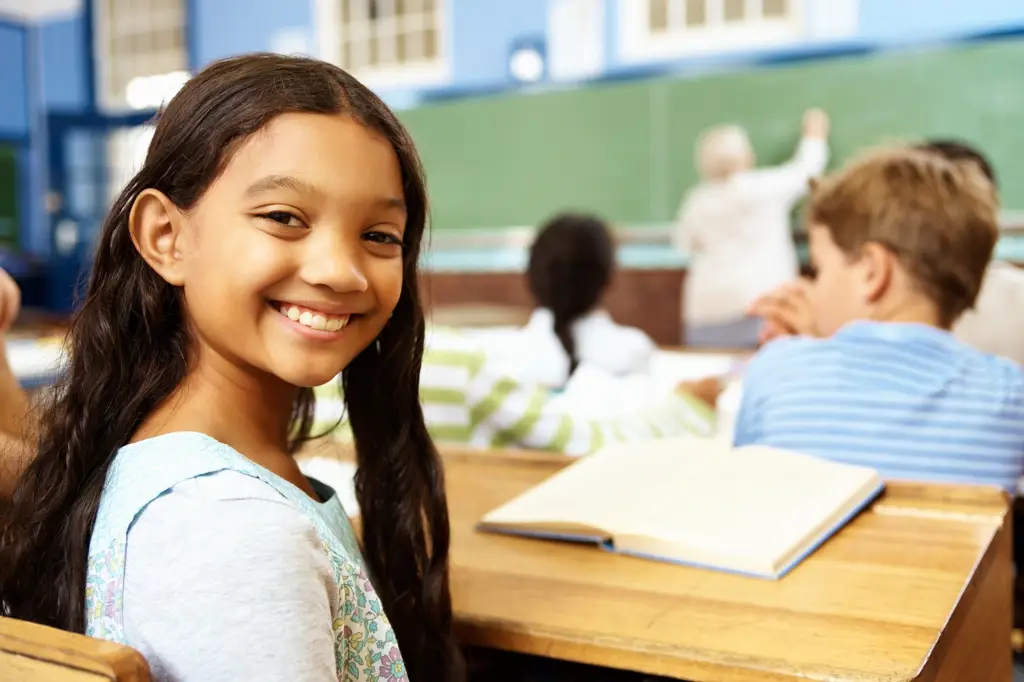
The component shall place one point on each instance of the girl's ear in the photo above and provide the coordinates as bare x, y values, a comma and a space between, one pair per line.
155, 224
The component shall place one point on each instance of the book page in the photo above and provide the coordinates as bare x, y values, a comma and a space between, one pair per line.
601, 491
755, 504
698, 500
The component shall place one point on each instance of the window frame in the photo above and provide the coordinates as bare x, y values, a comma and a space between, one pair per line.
330, 35
107, 100
638, 43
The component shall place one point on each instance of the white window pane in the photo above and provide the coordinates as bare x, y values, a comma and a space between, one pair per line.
141, 38
415, 49
775, 9
734, 10
389, 34
696, 13
430, 47
657, 15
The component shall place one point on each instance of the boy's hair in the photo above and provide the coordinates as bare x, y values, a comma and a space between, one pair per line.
956, 150
721, 151
939, 217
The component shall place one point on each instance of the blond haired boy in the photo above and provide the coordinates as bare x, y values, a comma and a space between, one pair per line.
899, 241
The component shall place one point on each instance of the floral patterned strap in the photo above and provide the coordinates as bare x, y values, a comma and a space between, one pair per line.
364, 640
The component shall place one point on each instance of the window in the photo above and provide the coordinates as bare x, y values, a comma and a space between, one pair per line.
659, 29
126, 152
385, 42
140, 49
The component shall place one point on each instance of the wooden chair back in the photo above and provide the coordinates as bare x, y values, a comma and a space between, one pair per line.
35, 653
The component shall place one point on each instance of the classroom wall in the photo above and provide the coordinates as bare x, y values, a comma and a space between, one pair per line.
911, 20
64, 63
226, 27
13, 81
478, 40
480, 37
483, 34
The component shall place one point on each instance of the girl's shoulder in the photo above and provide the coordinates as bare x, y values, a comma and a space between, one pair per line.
143, 471
195, 471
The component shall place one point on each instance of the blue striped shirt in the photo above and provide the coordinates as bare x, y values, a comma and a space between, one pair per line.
906, 399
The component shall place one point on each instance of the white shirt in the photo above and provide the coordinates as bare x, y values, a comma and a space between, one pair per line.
737, 232
600, 343
995, 324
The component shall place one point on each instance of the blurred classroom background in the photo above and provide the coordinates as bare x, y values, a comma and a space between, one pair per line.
520, 108
524, 109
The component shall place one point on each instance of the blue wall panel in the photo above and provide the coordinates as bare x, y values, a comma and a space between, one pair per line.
14, 104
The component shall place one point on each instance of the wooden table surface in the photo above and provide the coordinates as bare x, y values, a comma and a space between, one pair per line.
917, 588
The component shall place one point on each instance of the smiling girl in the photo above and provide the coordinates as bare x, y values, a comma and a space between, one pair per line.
268, 243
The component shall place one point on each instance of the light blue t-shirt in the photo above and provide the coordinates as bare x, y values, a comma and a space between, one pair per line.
217, 570
906, 399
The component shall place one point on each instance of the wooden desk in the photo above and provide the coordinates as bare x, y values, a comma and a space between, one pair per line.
918, 588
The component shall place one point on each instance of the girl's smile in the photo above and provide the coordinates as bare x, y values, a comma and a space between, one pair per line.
316, 321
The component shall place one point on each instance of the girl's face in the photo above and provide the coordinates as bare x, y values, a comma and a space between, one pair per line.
291, 262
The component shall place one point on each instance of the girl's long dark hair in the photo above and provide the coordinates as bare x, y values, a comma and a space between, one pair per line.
129, 350
571, 264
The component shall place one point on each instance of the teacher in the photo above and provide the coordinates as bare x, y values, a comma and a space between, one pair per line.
735, 227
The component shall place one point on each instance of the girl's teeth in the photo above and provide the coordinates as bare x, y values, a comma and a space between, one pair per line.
314, 321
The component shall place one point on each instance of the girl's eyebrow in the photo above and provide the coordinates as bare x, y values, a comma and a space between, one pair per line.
273, 182
299, 186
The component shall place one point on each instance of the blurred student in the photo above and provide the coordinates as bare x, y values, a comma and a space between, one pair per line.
469, 399
899, 245
995, 324
986, 326
572, 262
15, 409
735, 225
992, 325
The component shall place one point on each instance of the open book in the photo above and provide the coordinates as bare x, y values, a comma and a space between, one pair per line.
753, 510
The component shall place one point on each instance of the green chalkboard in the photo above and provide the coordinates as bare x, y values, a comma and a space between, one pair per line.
8, 197
626, 150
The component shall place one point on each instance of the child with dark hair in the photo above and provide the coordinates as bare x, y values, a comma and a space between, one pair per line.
572, 262
268, 243
958, 150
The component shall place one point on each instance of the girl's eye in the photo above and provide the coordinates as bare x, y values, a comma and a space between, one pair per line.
283, 218
383, 238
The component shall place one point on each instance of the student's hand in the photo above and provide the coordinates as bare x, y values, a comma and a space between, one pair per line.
786, 312
706, 390
816, 124
10, 301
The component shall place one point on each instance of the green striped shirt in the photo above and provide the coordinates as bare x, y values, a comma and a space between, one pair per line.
467, 403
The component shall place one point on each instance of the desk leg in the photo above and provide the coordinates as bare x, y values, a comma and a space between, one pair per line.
976, 645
